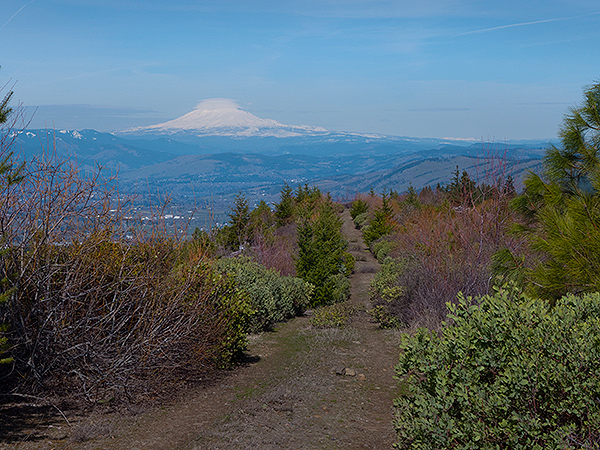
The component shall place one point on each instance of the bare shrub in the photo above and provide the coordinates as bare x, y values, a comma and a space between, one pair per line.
449, 250
103, 309
277, 250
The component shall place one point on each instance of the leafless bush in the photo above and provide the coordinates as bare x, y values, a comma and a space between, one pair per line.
102, 308
449, 250
276, 252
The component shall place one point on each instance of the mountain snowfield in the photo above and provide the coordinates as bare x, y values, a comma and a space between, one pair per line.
224, 117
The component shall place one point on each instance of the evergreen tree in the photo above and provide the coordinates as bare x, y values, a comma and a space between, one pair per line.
467, 187
284, 210
462, 189
236, 233
562, 211
307, 200
5, 110
427, 196
412, 198
321, 252
262, 220
359, 206
382, 222
508, 189
307, 252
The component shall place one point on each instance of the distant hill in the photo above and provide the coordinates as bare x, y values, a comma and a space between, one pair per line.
91, 148
220, 125
261, 176
419, 173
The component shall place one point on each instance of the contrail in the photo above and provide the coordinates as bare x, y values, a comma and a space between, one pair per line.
13, 16
522, 24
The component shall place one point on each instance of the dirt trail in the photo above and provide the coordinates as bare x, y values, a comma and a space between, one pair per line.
308, 389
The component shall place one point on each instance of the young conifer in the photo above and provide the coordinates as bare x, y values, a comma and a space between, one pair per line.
562, 211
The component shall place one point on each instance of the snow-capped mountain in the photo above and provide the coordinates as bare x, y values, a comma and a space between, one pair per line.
224, 117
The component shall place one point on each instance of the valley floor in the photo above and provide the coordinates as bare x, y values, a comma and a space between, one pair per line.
304, 388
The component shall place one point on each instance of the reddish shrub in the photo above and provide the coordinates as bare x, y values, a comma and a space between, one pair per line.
448, 250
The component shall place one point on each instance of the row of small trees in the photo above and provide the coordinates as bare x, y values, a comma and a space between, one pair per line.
320, 252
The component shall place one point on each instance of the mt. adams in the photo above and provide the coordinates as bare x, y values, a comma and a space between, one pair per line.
219, 125
223, 117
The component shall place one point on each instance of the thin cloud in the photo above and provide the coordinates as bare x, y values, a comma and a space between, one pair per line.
97, 110
438, 109
106, 71
315, 112
523, 24
543, 104
13, 16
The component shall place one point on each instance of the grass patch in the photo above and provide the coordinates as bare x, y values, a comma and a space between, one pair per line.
337, 315
384, 318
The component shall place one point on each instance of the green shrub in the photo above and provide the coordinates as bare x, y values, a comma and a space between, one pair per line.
333, 316
231, 312
358, 207
385, 320
335, 289
507, 373
349, 261
340, 287
381, 249
295, 293
384, 285
273, 298
361, 221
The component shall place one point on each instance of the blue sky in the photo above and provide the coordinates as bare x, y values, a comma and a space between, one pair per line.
433, 68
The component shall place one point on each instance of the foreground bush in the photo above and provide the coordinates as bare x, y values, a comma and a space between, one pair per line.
273, 298
98, 307
508, 373
102, 318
